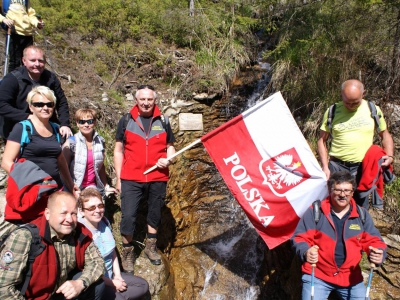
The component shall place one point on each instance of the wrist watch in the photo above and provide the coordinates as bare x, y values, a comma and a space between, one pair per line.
85, 286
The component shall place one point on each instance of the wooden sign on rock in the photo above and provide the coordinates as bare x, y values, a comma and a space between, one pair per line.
188, 121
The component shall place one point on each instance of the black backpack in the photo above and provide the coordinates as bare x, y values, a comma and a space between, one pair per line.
36, 248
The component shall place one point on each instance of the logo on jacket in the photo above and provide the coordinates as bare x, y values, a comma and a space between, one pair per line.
156, 128
355, 227
8, 257
283, 172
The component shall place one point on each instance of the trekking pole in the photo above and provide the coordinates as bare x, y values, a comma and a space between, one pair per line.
7, 51
313, 274
372, 265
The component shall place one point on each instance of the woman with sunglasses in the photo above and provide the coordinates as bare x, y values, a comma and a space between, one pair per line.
44, 148
84, 153
119, 286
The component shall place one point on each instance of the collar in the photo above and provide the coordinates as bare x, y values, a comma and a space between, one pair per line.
135, 112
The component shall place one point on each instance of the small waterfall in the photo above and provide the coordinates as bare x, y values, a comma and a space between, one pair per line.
239, 250
238, 257
262, 83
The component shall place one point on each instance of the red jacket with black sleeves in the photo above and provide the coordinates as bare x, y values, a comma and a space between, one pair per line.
143, 149
357, 238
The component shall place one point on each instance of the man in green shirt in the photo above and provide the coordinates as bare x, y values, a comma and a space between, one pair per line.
352, 131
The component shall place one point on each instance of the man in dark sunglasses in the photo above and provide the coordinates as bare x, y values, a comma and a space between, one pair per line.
16, 85
144, 138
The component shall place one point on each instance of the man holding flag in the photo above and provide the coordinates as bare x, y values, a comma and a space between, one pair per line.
333, 243
144, 138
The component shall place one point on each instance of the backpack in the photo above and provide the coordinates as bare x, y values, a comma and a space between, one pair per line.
372, 108
317, 212
36, 248
27, 129
128, 116
6, 4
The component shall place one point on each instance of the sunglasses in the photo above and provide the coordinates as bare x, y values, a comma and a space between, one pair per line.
90, 121
42, 104
93, 208
145, 86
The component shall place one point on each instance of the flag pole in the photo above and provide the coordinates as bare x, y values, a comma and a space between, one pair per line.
175, 154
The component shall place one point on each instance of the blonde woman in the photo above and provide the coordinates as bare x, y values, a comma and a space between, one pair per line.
43, 149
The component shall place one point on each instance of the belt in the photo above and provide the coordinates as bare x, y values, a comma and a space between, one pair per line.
345, 163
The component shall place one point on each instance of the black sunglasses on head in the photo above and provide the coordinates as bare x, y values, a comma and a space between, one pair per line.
145, 86
90, 121
42, 104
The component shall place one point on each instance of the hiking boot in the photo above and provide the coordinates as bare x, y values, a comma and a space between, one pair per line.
151, 251
128, 259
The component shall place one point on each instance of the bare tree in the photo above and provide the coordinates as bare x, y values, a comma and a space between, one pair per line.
191, 8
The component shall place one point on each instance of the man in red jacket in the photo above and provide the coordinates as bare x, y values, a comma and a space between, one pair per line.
70, 265
335, 243
144, 138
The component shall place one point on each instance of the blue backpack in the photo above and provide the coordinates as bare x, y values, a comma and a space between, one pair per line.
26, 136
6, 4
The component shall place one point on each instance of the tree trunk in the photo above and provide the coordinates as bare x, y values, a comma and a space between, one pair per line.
191, 8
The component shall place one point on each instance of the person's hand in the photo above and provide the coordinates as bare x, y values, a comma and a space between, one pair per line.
163, 163
375, 255
65, 131
119, 283
40, 24
8, 22
110, 190
387, 160
71, 288
76, 191
118, 185
327, 172
311, 255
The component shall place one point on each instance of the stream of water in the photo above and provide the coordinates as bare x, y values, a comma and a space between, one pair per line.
237, 255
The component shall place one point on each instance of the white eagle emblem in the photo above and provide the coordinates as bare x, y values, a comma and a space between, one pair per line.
283, 171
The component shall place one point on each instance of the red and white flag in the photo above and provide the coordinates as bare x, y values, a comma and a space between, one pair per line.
268, 166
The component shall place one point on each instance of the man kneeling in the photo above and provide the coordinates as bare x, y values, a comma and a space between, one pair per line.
335, 242
69, 266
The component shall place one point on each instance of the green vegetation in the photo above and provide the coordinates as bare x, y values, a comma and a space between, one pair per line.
221, 32
320, 44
